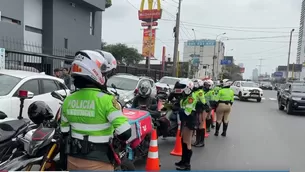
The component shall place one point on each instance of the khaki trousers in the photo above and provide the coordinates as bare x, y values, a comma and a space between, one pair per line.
202, 118
222, 112
83, 164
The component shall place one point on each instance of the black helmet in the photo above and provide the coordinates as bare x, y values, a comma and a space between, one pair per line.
39, 111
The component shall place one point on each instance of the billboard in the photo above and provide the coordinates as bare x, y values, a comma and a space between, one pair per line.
229, 58
150, 14
149, 24
148, 48
292, 67
202, 42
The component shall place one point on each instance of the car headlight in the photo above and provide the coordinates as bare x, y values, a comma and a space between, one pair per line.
296, 98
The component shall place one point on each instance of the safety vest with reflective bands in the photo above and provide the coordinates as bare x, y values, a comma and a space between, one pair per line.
189, 103
225, 94
92, 113
200, 96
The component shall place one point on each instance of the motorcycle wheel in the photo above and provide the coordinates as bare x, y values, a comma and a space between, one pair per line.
126, 165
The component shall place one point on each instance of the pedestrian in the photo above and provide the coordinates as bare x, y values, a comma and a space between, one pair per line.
200, 106
90, 116
210, 98
224, 98
57, 73
66, 77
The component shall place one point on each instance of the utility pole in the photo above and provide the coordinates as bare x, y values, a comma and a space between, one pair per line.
176, 46
288, 60
260, 66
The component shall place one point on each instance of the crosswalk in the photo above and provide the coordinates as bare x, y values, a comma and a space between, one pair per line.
264, 98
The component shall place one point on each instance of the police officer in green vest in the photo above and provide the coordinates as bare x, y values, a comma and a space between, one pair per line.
200, 106
210, 98
225, 99
189, 122
91, 116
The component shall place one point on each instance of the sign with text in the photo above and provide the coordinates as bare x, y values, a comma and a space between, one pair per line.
278, 74
149, 39
292, 67
2, 58
149, 24
226, 62
202, 42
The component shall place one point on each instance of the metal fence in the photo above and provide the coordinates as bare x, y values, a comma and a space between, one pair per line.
34, 57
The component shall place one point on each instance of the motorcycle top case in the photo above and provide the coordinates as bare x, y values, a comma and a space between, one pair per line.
141, 125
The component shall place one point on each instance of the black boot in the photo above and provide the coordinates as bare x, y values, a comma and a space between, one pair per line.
201, 143
187, 165
184, 148
224, 129
197, 138
208, 125
217, 128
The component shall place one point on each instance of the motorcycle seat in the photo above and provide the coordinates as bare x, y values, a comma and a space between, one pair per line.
9, 129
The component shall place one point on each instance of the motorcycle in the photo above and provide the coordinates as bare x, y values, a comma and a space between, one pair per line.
168, 121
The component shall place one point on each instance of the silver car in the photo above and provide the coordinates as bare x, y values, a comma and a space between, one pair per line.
127, 86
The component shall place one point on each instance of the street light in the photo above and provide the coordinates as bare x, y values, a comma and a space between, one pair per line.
289, 50
214, 56
190, 62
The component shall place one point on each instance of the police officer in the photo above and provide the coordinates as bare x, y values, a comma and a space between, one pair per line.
188, 117
91, 115
200, 107
225, 98
210, 98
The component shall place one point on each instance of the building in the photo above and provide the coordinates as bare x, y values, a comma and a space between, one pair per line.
301, 41
255, 74
52, 24
200, 53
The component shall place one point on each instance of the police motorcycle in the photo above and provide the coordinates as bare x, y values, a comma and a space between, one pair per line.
13, 129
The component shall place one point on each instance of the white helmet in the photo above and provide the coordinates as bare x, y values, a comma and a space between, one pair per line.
196, 83
226, 83
209, 82
201, 83
89, 64
110, 60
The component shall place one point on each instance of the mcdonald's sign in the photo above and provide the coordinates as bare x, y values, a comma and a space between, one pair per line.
150, 14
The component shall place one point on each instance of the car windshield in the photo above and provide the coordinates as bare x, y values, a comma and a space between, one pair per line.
169, 81
122, 83
248, 84
7, 84
266, 83
298, 88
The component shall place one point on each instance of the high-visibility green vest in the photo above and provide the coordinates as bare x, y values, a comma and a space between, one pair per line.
189, 103
200, 96
93, 113
225, 94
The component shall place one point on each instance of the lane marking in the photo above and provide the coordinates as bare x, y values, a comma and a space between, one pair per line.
272, 99
263, 98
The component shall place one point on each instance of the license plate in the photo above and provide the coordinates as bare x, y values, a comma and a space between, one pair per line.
255, 96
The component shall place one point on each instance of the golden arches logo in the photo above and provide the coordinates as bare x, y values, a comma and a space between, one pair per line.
150, 14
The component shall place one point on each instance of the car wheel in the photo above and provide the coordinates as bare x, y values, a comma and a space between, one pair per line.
289, 109
259, 99
281, 107
240, 96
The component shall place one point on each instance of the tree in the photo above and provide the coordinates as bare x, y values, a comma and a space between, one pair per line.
231, 72
123, 53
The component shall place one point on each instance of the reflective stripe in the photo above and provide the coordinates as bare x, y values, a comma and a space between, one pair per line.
153, 155
189, 106
113, 115
153, 143
94, 139
64, 129
122, 128
90, 127
63, 118
100, 95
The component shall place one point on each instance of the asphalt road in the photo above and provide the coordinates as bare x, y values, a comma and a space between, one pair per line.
260, 137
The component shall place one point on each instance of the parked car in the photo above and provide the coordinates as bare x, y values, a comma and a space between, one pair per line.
280, 90
247, 90
266, 86
292, 98
39, 84
166, 84
127, 86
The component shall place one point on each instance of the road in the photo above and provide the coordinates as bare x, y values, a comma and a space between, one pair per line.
260, 137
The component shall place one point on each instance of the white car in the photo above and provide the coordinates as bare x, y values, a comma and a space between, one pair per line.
39, 84
127, 86
247, 90
166, 84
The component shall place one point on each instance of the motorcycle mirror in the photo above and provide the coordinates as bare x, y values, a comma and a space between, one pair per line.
57, 96
113, 86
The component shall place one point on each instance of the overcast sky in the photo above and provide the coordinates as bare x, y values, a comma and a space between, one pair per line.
240, 19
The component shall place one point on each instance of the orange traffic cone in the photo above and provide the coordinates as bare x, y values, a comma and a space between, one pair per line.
177, 151
152, 163
206, 134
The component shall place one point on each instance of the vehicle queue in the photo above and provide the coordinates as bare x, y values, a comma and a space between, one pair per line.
91, 117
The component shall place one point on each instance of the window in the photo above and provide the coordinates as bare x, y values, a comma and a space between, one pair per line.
10, 20
122, 83
7, 84
61, 86
201, 48
31, 86
91, 24
238, 84
66, 43
49, 86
